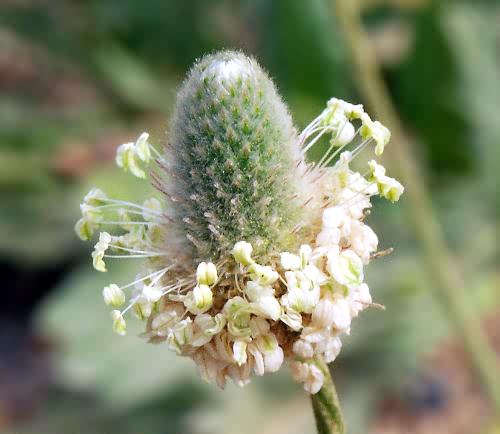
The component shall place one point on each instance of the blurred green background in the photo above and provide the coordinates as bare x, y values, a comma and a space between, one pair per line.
78, 78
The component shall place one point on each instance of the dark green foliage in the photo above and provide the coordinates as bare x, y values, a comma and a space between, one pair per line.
426, 89
233, 159
308, 51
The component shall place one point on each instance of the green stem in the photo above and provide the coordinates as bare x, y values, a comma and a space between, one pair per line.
448, 282
326, 405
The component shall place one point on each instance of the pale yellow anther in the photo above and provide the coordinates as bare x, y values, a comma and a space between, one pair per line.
263, 274
84, 229
206, 273
202, 297
142, 149
388, 187
242, 252
199, 300
119, 325
95, 197
375, 130
99, 250
113, 295
130, 156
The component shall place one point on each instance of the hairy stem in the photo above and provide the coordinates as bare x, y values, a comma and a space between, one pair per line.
326, 405
448, 283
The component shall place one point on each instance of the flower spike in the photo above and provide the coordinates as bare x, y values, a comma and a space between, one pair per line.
250, 255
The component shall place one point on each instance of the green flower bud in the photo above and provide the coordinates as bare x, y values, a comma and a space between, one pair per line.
234, 159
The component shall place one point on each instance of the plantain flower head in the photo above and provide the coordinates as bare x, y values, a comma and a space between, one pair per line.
249, 255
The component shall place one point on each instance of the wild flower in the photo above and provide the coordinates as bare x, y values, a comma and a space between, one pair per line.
250, 256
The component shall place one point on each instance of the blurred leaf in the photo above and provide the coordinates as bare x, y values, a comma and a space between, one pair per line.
426, 89
164, 33
131, 80
304, 53
302, 49
23, 129
123, 371
37, 226
38, 23
474, 35
391, 342
65, 411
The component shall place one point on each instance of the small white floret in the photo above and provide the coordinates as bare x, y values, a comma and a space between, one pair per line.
308, 374
345, 267
303, 349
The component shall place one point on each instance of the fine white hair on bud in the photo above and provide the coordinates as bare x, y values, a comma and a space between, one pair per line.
250, 256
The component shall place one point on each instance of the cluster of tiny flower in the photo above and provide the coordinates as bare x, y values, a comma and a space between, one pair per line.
236, 317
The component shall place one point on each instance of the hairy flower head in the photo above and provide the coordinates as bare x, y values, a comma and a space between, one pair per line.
250, 255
